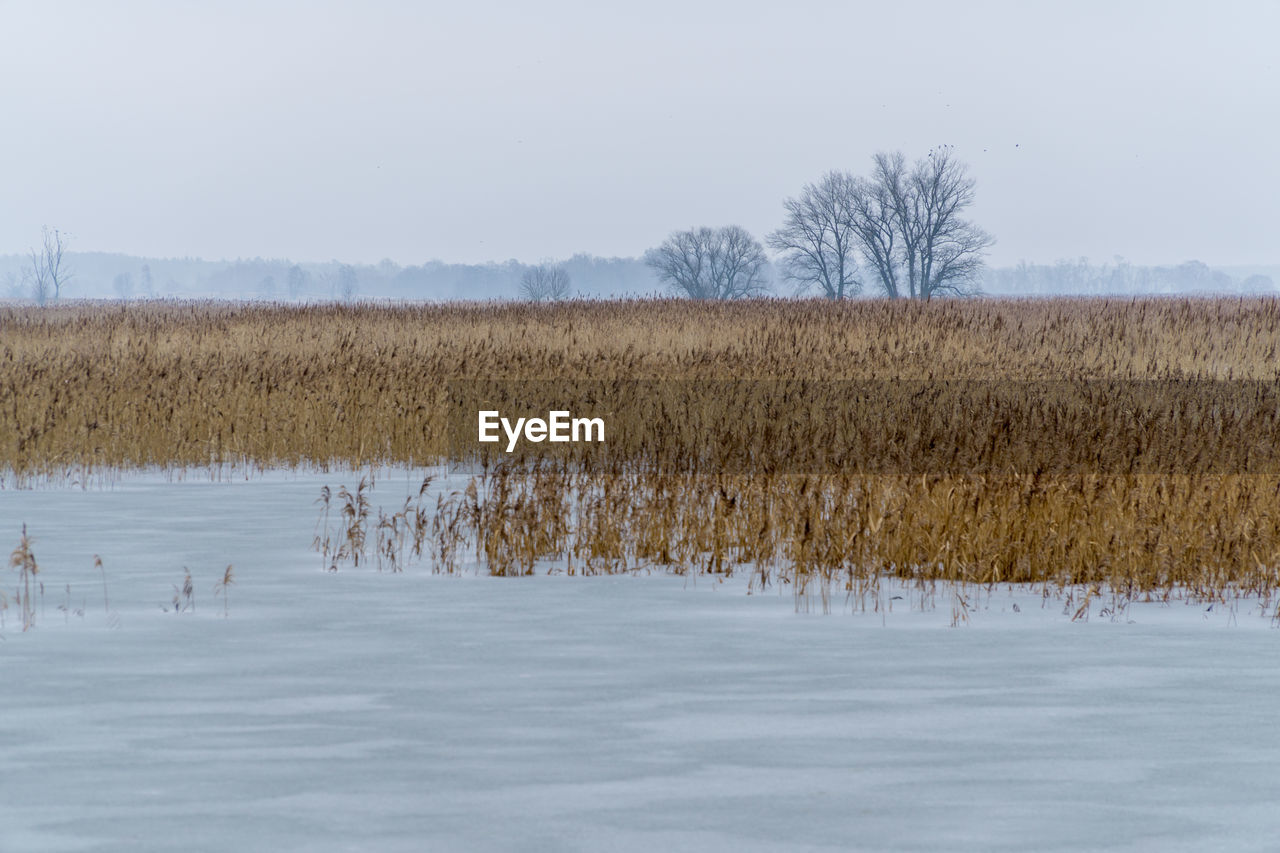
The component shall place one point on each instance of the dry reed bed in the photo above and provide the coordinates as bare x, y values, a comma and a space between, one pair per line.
1140, 533
962, 489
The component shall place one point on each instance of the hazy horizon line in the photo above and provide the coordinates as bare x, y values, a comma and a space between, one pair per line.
25, 255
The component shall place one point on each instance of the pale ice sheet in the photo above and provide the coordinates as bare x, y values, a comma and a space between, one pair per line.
359, 711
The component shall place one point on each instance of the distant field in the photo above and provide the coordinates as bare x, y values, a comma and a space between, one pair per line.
1127, 444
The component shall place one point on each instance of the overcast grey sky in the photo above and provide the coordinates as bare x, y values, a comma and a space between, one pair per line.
487, 131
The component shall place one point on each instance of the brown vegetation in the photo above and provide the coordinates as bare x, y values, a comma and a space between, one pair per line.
1104, 483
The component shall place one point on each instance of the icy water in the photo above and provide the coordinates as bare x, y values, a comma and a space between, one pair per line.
366, 711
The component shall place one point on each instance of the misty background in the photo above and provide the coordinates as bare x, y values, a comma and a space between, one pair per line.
450, 138
110, 276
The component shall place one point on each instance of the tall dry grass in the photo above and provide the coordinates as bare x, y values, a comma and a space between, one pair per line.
1067, 442
190, 384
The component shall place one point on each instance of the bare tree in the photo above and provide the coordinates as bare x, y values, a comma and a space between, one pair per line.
55, 245
940, 252
818, 240
875, 220
546, 282
711, 263
906, 222
49, 271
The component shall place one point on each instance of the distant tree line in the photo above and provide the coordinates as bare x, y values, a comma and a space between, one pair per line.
100, 275
1081, 278
104, 276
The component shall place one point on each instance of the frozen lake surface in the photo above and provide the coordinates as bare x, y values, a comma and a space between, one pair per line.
366, 711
